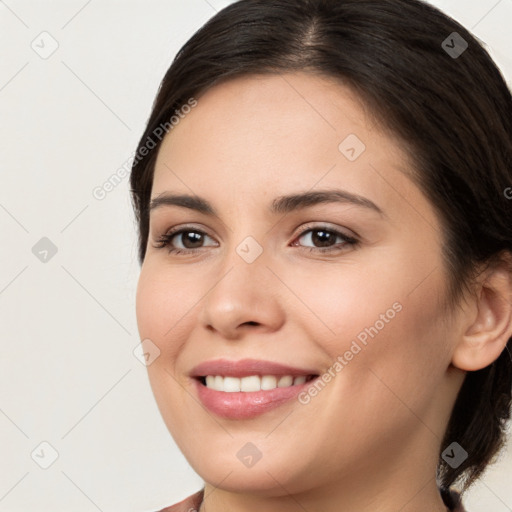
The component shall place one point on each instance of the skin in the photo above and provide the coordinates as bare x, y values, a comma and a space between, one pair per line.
369, 440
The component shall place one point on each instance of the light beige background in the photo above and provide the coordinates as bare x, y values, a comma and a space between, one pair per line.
68, 375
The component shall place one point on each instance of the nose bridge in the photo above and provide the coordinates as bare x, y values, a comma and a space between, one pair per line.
247, 241
240, 294
244, 267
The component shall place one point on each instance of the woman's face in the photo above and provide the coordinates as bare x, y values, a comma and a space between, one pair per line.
270, 279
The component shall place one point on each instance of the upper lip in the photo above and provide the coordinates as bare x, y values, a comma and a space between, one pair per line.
246, 367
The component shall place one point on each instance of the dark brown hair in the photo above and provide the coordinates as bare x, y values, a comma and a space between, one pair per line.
450, 107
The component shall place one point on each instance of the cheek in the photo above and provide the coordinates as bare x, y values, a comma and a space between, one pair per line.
387, 318
150, 303
163, 316
407, 355
164, 305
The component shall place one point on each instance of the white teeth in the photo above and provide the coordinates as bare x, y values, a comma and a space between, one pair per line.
231, 384
252, 383
268, 382
285, 381
299, 380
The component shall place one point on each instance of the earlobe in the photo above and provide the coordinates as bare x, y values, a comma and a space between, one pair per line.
489, 322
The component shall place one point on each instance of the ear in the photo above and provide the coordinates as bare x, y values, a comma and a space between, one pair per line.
487, 325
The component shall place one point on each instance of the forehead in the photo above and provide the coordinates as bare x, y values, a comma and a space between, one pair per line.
289, 108
254, 134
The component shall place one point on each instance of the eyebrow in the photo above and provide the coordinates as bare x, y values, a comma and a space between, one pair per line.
280, 205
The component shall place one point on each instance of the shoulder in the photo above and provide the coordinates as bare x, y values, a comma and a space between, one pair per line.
189, 504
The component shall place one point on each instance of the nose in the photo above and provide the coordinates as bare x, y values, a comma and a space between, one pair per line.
245, 296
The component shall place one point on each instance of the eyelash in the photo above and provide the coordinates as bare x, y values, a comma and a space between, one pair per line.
165, 240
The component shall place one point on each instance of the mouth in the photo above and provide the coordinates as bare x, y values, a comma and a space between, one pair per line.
248, 397
247, 388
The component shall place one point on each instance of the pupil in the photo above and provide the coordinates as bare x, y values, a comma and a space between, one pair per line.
191, 237
326, 237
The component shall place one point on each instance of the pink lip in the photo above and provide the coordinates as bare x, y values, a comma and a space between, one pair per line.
244, 405
247, 367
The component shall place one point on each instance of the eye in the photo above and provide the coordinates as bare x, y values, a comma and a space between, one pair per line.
190, 240
326, 237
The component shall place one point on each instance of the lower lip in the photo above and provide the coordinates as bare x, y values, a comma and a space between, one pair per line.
241, 405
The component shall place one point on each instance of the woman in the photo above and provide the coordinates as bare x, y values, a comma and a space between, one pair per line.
326, 250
